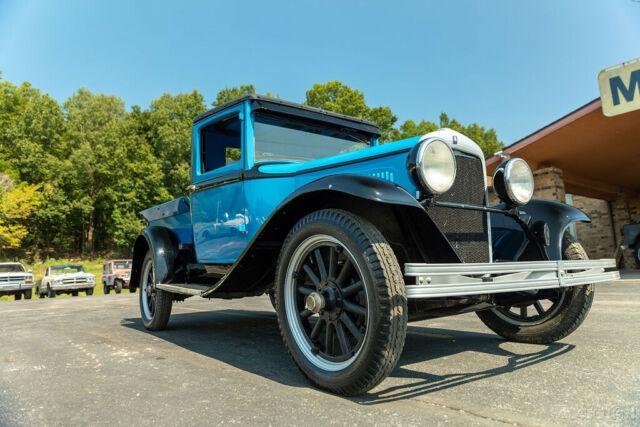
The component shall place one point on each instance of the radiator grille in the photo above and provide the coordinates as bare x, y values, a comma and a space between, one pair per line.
466, 229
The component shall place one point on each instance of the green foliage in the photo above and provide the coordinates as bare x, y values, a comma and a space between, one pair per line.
231, 93
73, 177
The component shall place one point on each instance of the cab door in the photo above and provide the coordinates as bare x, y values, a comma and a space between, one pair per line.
217, 198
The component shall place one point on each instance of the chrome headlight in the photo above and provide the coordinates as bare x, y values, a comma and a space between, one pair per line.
435, 166
513, 182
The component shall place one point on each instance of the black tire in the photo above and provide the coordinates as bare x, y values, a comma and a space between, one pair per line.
50, 292
564, 316
155, 304
74, 293
89, 291
371, 335
17, 296
40, 295
118, 286
636, 254
105, 289
27, 294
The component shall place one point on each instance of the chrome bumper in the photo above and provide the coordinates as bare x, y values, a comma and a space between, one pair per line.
444, 280
15, 286
71, 286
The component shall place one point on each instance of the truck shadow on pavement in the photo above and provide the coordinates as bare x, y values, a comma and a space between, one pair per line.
250, 340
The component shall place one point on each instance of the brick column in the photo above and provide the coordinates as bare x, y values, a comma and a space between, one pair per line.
549, 184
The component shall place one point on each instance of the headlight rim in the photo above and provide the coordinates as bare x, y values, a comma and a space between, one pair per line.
501, 178
420, 170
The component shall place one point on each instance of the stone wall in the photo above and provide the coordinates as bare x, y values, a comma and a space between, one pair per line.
596, 237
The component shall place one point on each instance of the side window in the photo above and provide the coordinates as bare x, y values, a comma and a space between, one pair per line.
106, 269
220, 143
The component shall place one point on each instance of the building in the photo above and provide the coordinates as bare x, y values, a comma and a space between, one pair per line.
592, 162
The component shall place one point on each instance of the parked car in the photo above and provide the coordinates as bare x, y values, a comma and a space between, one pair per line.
355, 238
631, 238
15, 280
115, 275
65, 279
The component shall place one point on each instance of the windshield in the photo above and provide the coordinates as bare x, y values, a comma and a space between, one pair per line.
122, 265
11, 268
56, 270
285, 139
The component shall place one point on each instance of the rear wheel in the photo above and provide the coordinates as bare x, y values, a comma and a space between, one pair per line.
74, 293
18, 296
89, 291
636, 254
341, 302
155, 304
550, 318
105, 289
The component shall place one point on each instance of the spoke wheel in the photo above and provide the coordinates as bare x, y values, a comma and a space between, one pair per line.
341, 302
327, 303
155, 304
531, 312
549, 316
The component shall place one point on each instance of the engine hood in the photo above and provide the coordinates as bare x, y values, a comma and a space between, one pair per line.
456, 140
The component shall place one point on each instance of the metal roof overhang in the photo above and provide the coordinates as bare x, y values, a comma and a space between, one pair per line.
599, 155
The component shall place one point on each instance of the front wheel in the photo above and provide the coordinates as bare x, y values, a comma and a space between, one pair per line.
155, 304
341, 302
118, 286
50, 292
89, 291
17, 296
550, 318
636, 254
27, 294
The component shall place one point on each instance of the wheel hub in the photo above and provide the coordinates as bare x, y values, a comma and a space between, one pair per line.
314, 302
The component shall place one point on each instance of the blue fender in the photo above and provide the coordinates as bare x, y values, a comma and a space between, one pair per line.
164, 248
510, 239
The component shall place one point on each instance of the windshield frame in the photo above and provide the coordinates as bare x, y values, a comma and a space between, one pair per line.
58, 270
20, 268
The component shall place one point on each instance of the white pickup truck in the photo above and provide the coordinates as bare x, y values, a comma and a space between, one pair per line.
15, 280
65, 279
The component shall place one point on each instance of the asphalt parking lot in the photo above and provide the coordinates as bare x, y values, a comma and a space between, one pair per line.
88, 360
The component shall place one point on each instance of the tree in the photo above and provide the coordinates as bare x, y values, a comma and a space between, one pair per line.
231, 93
16, 206
167, 127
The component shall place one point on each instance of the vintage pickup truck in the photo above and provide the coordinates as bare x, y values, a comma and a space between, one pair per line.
65, 279
354, 238
15, 280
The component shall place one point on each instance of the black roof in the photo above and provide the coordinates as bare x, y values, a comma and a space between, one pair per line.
293, 109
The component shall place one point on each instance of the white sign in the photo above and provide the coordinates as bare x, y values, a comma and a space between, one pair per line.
620, 88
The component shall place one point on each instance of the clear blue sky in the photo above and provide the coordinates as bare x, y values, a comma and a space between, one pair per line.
514, 65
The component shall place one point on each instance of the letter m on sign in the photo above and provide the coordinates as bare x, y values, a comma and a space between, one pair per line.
620, 88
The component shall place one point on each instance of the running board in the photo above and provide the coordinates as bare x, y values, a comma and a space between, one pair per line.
443, 280
183, 288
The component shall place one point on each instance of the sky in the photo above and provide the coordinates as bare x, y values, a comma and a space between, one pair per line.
514, 65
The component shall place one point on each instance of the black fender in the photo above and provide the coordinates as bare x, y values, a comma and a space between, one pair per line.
164, 248
253, 271
510, 238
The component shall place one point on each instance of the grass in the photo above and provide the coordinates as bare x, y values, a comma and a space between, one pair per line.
93, 266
